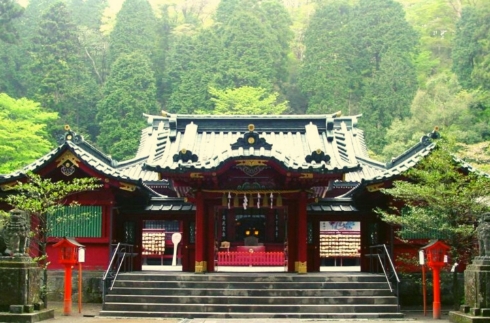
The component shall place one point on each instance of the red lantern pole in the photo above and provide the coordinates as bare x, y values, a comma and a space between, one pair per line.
436, 306
67, 298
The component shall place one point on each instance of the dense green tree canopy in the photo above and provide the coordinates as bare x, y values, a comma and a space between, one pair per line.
9, 10
135, 30
325, 74
129, 92
61, 80
23, 132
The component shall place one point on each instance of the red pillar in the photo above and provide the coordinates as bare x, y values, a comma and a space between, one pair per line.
436, 306
302, 233
200, 261
67, 296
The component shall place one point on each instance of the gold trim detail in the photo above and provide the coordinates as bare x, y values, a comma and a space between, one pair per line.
127, 187
251, 140
251, 127
8, 186
183, 151
302, 267
251, 162
201, 267
306, 175
196, 175
68, 156
375, 187
264, 191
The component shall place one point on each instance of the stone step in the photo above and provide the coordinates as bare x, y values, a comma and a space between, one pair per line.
252, 295
248, 300
253, 277
246, 308
251, 292
256, 315
250, 285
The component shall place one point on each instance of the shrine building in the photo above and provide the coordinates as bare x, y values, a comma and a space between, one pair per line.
207, 193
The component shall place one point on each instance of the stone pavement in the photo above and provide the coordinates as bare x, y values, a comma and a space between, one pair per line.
90, 311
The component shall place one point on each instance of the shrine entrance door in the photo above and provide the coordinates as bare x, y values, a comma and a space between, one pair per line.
250, 239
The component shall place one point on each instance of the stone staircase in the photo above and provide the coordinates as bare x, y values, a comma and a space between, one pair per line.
251, 295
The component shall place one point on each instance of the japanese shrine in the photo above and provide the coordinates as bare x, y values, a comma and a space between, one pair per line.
295, 192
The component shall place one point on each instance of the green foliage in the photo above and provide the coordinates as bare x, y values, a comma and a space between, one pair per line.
60, 77
442, 103
383, 44
325, 74
9, 10
440, 196
23, 132
129, 92
471, 52
245, 100
135, 30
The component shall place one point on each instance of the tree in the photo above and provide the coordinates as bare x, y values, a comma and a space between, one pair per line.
383, 45
135, 30
23, 132
441, 196
41, 197
325, 74
442, 103
129, 92
61, 80
9, 10
246, 100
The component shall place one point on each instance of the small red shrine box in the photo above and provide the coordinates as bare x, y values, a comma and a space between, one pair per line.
69, 251
436, 252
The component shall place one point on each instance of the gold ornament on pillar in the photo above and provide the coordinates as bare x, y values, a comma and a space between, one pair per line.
224, 200
265, 200
236, 203
279, 200
251, 201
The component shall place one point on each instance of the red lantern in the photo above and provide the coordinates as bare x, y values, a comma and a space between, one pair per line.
68, 256
436, 252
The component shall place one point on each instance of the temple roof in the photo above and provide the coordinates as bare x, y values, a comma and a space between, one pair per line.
84, 152
184, 143
314, 143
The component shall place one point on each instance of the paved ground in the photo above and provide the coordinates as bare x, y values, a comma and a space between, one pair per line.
90, 311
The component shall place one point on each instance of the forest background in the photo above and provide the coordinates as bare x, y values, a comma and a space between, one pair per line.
98, 65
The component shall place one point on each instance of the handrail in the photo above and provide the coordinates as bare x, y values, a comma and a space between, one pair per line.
110, 263
391, 263
116, 265
118, 269
381, 252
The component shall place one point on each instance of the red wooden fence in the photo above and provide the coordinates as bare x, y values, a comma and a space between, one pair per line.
245, 258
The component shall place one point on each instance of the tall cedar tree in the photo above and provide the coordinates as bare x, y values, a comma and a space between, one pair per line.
383, 44
129, 92
9, 10
192, 65
135, 30
325, 74
63, 82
